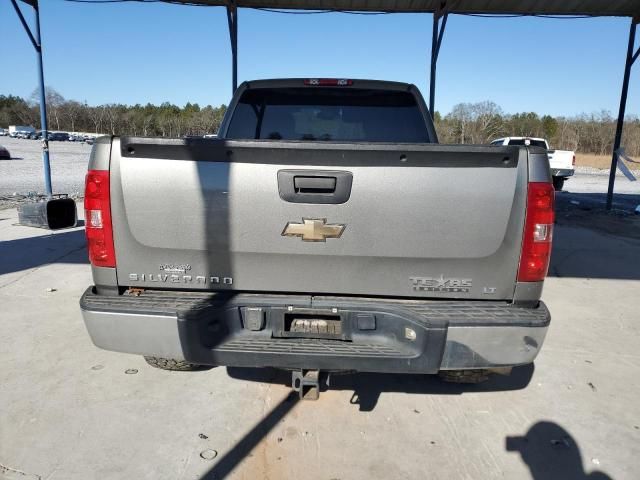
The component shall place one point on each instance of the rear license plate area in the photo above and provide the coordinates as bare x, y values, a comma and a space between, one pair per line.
306, 323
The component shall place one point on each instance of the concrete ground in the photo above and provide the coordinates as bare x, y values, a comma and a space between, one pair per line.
71, 411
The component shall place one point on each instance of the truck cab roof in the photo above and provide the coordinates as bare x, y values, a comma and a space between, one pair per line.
325, 82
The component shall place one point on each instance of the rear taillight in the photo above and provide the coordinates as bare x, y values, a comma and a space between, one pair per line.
97, 217
328, 82
538, 232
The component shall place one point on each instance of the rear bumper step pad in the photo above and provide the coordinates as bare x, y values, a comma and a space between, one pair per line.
378, 335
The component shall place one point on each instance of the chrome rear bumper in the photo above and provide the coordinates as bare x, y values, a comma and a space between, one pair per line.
562, 172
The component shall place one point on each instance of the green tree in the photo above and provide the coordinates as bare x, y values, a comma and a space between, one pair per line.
549, 127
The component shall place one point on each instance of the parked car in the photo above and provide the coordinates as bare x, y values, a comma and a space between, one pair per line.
58, 137
89, 140
4, 153
561, 162
3, 132
21, 129
345, 239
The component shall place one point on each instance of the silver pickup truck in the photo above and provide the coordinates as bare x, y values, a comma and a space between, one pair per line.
324, 229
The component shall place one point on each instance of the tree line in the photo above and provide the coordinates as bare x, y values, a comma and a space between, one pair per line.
466, 123
166, 120
586, 133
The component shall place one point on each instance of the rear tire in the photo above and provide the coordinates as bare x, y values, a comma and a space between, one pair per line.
558, 183
464, 376
172, 364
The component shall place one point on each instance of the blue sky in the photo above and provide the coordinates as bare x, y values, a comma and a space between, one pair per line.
134, 53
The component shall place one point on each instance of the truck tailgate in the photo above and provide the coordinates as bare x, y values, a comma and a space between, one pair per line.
560, 159
420, 220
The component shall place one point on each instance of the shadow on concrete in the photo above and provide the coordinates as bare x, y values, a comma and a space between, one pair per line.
243, 448
591, 242
551, 453
25, 253
368, 387
622, 202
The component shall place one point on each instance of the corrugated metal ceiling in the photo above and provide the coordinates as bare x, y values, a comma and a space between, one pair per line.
626, 8
615, 8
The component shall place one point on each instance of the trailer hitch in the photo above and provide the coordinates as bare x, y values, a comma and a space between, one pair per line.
307, 383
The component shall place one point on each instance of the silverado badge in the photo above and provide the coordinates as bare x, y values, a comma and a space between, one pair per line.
313, 230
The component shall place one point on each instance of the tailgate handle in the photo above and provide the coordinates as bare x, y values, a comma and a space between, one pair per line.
315, 186
320, 185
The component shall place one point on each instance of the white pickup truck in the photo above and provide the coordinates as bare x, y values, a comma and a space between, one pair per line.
562, 162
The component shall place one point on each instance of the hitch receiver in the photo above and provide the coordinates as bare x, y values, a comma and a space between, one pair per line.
306, 383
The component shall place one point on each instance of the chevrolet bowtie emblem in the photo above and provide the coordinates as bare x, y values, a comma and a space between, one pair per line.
313, 230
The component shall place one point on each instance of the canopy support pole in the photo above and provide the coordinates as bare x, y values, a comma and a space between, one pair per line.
631, 58
436, 41
232, 19
36, 40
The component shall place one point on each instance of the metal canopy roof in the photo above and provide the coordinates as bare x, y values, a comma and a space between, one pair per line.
610, 8
619, 8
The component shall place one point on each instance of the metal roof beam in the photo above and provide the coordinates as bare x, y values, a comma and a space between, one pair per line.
232, 19
619, 8
25, 25
436, 42
631, 57
635, 56
36, 40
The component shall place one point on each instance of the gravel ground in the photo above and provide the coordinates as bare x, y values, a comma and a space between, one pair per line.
23, 174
